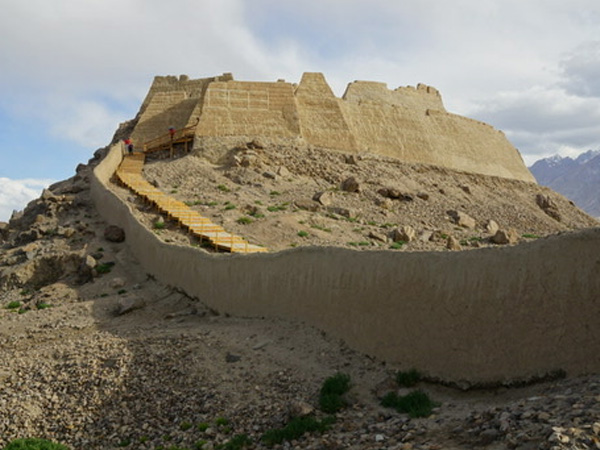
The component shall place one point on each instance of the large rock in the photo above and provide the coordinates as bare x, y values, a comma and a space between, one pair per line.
129, 304
3, 231
503, 237
452, 243
548, 206
307, 205
113, 233
491, 226
462, 219
350, 184
325, 198
404, 233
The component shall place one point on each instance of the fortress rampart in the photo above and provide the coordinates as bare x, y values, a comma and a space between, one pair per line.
483, 316
408, 123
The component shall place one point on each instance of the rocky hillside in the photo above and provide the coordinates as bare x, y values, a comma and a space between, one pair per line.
577, 179
282, 197
96, 354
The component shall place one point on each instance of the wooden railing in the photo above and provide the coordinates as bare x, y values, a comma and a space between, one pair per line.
169, 139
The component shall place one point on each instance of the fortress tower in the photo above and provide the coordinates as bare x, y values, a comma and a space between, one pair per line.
408, 123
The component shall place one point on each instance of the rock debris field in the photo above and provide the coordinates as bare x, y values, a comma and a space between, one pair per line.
96, 354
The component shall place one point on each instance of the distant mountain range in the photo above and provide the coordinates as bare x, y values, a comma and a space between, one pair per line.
577, 179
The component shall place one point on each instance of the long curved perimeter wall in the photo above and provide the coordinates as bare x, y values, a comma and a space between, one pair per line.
483, 316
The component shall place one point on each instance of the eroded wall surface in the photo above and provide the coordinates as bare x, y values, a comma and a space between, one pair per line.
482, 316
407, 123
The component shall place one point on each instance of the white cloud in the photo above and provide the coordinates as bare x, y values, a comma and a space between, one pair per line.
15, 194
82, 66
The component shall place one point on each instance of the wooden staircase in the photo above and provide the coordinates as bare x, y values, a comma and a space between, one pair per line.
130, 175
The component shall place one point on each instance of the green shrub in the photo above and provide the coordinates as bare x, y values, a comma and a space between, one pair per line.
34, 444
236, 443
184, 426
397, 245
43, 305
104, 267
415, 404
203, 426
221, 421
303, 233
276, 208
274, 193
229, 206
159, 225
13, 305
223, 188
330, 396
296, 428
244, 220
409, 378
530, 236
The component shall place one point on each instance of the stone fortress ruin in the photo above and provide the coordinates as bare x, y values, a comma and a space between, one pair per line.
487, 316
407, 123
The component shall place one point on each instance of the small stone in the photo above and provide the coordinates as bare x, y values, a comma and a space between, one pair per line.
350, 184
113, 233
117, 283
423, 195
270, 175
230, 358
379, 438
300, 409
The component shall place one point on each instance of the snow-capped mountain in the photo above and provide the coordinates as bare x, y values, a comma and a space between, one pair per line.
577, 179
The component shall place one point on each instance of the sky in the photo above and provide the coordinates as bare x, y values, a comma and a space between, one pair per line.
72, 70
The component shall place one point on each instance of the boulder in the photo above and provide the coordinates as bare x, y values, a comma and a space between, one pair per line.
300, 409
325, 198
255, 144
113, 233
503, 237
344, 212
350, 184
452, 243
384, 203
307, 205
283, 172
86, 270
404, 233
378, 236
462, 219
548, 206
117, 283
491, 226
129, 304
3, 231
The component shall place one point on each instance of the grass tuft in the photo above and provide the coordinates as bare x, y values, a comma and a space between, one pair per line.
34, 444
415, 404
409, 378
295, 428
330, 396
